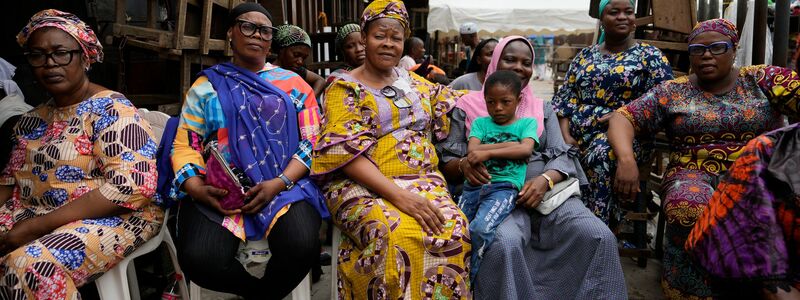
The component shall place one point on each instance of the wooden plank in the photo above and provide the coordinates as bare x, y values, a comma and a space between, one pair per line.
205, 26
153, 47
644, 20
151, 13
119, 11
674, 15
180, 26
162, 38
185, 73
667, 45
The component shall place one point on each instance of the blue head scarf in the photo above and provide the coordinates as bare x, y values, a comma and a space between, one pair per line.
603, 4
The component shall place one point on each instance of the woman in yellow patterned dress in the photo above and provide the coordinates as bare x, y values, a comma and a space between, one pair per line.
75, 198
406, 238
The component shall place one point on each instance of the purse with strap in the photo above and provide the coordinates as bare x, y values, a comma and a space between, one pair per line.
221, 174
558, 194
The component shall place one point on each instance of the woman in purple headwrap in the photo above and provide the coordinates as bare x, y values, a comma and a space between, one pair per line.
708, 116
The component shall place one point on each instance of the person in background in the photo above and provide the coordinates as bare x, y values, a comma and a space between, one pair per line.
564, 50
264, 120
293, 46
12, 105
747, 238
600, 79
79, 191
708, 118
476, 74
414, 53
350, 47
376, 164
469, 37
540, 62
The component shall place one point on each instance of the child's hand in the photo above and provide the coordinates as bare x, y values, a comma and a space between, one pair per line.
477, 157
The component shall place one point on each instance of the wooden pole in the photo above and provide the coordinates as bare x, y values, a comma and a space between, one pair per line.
713, 9
759, 32
702, 10
780, 41
741, 15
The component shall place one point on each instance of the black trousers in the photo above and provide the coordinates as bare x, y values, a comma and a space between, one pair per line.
207, 253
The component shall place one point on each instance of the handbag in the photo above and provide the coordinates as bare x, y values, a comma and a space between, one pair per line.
221, 174
558, 194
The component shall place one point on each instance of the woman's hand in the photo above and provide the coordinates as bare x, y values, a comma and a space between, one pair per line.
22, 233
475, 174
626, 183
261, 194
429, 216
532, 192
207, 194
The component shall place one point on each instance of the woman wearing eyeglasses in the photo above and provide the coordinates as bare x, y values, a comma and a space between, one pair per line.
708, 116
77, 194
259, 122
406, 238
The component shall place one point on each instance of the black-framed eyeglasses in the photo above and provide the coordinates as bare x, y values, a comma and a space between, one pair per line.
397, 96
249, 29
716, 48
60, 57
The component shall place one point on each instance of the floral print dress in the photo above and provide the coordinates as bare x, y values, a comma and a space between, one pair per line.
61, 154
597, 84
386, 254
707, 133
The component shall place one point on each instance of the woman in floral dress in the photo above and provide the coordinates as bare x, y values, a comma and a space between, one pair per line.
76, 194
406, 238
601, 79
708, 117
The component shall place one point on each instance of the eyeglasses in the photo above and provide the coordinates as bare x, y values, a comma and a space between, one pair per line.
716, 48
249, 29
60, 57
397, 96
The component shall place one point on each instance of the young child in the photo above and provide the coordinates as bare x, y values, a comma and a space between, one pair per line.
503, 143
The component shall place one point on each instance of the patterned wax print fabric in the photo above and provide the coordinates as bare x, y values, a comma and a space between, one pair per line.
61, 154
69, 23
760, 196
202, 120
386, 253
488, 132
706, 133
596, 84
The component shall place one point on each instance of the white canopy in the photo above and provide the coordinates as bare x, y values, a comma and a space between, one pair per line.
504, 17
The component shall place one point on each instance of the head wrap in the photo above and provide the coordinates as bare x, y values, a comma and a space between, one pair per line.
722, 26
69, 23
530, 106
603, 4
473, 61
290, 35
244, 8
344, 32
468, 28
392, 9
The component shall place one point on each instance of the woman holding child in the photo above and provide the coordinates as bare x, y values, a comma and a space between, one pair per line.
529, 250
406, 239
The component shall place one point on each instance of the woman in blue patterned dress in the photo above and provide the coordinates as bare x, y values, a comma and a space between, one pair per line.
601, 79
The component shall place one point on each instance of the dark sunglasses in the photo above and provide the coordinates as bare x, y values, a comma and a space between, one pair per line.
249, 29
60, 57
397, 96
716, 48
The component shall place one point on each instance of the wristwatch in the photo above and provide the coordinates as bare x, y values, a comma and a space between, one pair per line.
288, 182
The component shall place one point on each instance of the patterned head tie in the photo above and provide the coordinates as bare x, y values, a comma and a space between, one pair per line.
392, 9
290, 35
69, 23
722, 26
344, 32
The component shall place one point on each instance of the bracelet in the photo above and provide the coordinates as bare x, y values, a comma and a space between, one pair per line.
460, 170
549, 181
286, 181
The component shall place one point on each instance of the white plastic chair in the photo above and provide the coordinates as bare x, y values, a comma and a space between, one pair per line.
337, 239
120, 282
